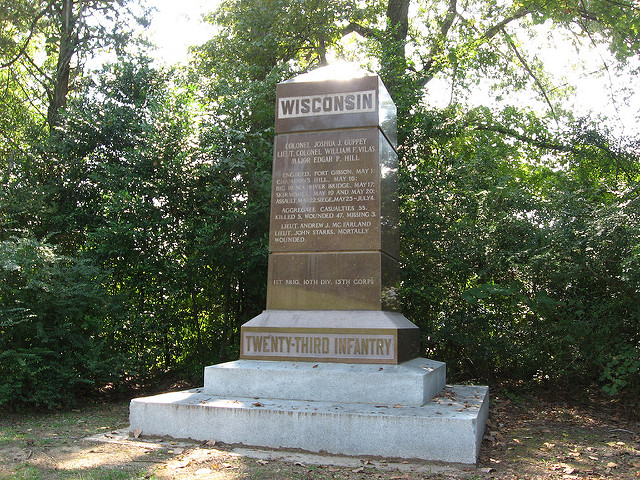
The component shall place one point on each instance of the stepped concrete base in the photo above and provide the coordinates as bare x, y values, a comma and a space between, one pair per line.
401, 422
448, 428
410, 383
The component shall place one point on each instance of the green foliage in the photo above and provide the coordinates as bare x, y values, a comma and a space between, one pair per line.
51, 345
516, 269
519, 233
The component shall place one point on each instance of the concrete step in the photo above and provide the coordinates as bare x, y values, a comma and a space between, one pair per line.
448, 428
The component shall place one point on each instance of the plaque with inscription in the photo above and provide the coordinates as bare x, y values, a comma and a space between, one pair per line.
332, 281
354, 336
304, 104
333, 233
327, 191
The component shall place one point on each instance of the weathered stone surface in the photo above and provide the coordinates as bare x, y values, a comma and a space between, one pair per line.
447, 429
410, 383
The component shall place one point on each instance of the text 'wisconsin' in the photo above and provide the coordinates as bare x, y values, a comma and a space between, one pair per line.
327, 104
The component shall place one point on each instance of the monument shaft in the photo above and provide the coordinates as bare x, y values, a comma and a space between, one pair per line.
333, 235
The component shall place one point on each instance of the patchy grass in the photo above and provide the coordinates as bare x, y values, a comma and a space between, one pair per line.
531, 438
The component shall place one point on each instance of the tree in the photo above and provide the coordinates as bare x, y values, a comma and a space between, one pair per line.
44, 44
489, 195
138, 198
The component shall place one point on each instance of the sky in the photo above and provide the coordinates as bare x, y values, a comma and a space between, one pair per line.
177, 24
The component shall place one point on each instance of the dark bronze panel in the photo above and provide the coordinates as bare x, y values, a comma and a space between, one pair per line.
390, 298
332, 281
324, 281
389, 208
326, 192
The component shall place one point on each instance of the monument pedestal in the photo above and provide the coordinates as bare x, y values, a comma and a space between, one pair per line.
372, 406
412, 383
349, 336
393, 411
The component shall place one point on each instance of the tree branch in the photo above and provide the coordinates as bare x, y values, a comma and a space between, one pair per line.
361, 30
531, 73
438, 46
32, 32
557, 147
445, 26
624, 5
492, 31
577, 149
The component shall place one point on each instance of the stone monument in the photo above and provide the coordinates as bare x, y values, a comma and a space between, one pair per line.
331, 365
333, 237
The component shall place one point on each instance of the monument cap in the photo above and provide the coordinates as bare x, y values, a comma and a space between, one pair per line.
340, 95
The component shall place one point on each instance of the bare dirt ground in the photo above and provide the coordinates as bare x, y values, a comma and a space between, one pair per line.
526, 438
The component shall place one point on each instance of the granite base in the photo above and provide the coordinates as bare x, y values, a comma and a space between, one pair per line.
409, 383
448, 427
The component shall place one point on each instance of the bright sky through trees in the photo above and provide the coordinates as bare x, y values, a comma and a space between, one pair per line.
177, 25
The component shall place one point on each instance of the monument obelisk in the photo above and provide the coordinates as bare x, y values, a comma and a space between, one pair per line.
331, 365
333, 237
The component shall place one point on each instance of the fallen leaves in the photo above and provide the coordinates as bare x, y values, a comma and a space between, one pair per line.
176, 464
567, 469
487, 470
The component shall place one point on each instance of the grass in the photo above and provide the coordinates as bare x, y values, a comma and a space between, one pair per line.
31, 472
529, 439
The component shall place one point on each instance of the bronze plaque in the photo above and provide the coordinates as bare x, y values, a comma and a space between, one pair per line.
334, 190
332, 281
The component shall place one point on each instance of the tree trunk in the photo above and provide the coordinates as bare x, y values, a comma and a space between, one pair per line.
393, 59
398, 23
68, 44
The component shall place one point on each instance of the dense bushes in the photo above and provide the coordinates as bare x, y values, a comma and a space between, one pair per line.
52, 341
134, 220
518, 270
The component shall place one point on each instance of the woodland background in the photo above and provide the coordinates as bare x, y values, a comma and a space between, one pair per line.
134, 198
